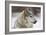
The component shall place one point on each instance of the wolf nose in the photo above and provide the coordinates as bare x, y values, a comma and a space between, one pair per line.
35, 22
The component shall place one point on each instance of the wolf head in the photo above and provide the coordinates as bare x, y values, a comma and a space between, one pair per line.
28, 13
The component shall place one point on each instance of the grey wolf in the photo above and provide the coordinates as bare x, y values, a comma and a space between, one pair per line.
25, 19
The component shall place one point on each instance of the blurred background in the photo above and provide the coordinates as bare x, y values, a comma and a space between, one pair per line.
16, 9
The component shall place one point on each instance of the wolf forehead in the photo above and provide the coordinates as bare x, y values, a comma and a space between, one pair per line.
27, 11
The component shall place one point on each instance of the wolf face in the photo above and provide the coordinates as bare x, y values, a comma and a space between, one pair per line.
29, 14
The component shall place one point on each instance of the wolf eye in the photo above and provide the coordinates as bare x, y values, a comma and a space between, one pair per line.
30, 16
